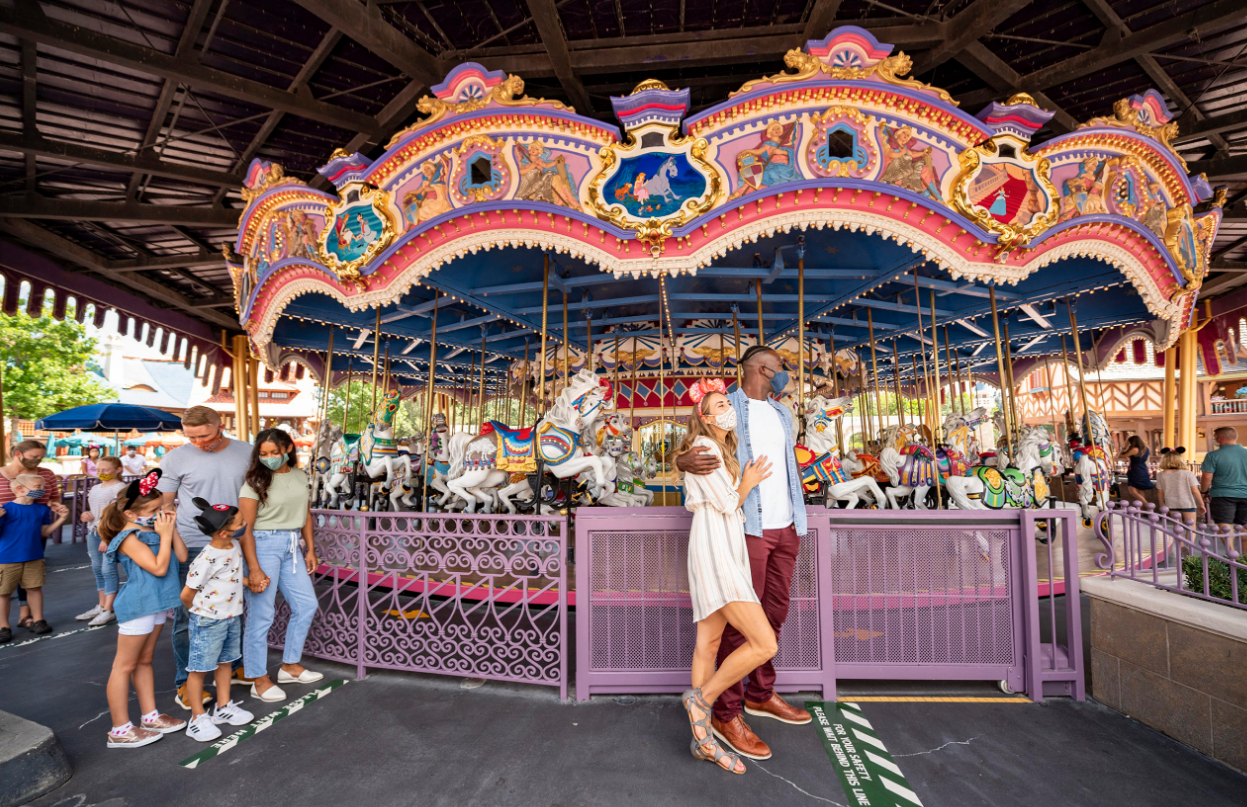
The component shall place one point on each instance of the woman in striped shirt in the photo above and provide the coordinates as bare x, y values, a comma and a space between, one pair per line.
718, 567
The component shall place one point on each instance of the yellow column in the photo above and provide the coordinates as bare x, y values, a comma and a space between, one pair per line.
1167, 398
1186, 392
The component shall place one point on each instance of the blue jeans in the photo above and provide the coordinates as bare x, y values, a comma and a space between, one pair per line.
279, 556
105, 573
182, 622
214, 642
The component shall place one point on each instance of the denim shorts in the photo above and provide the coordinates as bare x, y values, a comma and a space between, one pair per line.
213, 642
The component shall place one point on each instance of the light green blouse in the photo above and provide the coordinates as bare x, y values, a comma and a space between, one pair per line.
286, 507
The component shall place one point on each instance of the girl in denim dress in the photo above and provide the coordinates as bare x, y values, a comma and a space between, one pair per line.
145, 543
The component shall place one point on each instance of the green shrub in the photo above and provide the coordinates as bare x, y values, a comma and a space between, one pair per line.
1218, 578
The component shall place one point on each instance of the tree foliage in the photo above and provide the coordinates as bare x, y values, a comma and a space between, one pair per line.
46, 365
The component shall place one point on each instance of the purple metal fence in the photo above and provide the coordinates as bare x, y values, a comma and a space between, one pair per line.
944, 595
483, 596
1155, 543
74, 490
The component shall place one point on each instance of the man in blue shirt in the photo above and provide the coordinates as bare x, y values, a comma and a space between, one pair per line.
774, 523
24, 523
1224, 479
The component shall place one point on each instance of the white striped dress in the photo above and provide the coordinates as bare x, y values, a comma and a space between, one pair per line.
718, 559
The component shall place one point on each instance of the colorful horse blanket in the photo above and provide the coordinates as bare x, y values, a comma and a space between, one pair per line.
823, 469
556, 444
1009, 488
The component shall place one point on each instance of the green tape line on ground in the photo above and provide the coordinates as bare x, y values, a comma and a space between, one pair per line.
867, 773
226, 743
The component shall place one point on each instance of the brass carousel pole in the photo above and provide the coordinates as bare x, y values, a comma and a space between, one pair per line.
567, 343
1047, 367
896, 384
428, 411
481, 402
757, 284
1082, 385
736, 335
961, 387
525, 374
346, 406
1000, 369
955, 405
938, 432
1069, 391
800, 334
867, 426
874, 367
1013, 394
662, 393
636, 431
835, 390
376, 360
926, 369
615, 391
326, 380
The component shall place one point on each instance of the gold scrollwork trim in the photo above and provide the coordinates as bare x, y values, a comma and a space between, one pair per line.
891, 70
1008, 236
348, 271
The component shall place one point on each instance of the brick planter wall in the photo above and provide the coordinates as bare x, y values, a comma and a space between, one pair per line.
1175, 663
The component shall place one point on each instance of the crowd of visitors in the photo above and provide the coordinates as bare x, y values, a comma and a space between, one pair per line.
205, 542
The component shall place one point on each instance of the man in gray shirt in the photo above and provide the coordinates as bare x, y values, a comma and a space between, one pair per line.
211, 466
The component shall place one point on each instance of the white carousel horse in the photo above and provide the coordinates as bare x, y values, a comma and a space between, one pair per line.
823, 466
1022, 486
401, 494
613, 447
378, 450
631, 471
476, 463
1092, 472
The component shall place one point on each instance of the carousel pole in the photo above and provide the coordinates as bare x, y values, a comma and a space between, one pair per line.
1047, 368
937, 433
1167, 399
1069, 392
896, 384
589, 340
541, 396
736, 335
922, 405
955, 405
662, 390
961, 388
874, 367
238, 375
385, 378
1082, 385
376, 360
632, 390
527, 371
481, 403
254, 397
615, 391
1000, 369
346, 406
867, 426
801, 333
926, 368
326, 380
567, 344
428, 410
757, 285
1099, 382
835, 389
1013, 396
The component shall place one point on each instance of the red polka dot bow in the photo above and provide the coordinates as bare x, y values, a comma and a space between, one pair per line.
148, 483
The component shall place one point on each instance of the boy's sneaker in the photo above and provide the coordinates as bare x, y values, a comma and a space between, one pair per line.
134, 738
232, 713
102, 618
202, 728
40, 628
6, 635
180, 698
83, 617
164, 724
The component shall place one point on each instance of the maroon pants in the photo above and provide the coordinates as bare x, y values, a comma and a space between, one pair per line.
772, 557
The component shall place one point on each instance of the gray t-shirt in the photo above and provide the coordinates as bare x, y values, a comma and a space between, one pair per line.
216, 476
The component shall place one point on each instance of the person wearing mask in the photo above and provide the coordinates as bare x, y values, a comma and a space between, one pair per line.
210, 466
720, 583
1224, 478
25, 525
774, 523
133, 462
27, 458
89, 464
108, 471
275, 504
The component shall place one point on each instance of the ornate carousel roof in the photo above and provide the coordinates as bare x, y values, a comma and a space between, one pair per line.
841, 192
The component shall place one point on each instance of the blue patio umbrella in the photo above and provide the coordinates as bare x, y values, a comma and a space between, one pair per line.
110, 417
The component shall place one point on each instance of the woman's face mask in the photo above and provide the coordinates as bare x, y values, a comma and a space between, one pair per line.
273, 463
726, 420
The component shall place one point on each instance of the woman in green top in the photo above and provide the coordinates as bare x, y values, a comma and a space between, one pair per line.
274, 502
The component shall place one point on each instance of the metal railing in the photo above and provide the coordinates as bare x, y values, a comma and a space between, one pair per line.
482, 596
1235, 407
1161, 549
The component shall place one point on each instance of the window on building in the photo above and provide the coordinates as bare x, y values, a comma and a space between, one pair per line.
281, 396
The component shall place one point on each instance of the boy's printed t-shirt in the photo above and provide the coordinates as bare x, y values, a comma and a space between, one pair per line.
21, 531
216, 574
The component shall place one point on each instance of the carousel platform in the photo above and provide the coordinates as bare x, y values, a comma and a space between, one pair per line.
397, 738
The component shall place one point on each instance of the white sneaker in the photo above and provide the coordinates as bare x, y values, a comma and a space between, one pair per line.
233, 714
83, 617
202, 728
102, 618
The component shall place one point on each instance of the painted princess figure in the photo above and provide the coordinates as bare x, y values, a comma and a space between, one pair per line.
908, 162
431, 198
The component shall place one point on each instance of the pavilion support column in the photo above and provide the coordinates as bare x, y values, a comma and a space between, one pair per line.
1187, 391
1167, 400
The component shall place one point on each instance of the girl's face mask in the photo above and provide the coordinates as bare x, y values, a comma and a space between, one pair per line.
106, 477
145, 521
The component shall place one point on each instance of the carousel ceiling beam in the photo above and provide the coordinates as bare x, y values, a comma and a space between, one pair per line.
693, 48
30, 103
1221, 168
34, 144
1112, 50
904, 308
364, 23
811, 273
1030, 311
26, 20
65, 249
468, 323
1007, 81
977, 19
187, 261
550, 29
968, 289
818, 24
34, 206
1203, 127
484, 305
894, 269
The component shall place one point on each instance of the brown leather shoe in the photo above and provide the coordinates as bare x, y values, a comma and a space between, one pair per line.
778, 709
740, 738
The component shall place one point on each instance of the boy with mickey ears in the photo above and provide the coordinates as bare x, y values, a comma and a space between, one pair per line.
213, 596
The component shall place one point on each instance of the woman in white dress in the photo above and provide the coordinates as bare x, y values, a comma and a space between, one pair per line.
718, 567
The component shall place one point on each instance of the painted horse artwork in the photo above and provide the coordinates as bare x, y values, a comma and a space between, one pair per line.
364, 458
820, 468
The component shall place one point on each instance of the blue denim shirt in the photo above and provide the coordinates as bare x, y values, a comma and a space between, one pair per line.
752, 506
144, 593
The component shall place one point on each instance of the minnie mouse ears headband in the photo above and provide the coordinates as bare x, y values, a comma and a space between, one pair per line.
1178, 450
703, 387
142, 486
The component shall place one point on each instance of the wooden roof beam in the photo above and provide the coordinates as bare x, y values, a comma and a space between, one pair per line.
364, 24
34, 144
977, 19
550, 29
34, 206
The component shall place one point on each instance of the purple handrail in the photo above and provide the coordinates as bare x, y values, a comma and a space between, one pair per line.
1149, 534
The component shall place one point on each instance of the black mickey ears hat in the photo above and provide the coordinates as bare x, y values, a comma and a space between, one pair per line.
215, 517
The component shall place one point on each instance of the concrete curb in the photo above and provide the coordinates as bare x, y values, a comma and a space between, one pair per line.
32, 762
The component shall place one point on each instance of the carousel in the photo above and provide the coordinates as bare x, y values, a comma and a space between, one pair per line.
540, 290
